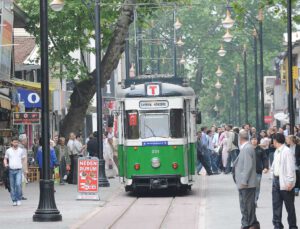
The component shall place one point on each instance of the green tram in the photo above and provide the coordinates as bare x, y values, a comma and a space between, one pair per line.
157, 135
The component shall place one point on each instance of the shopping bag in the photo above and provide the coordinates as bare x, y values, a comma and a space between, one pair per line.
56, 175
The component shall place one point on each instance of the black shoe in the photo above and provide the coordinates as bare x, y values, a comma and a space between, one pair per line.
24, 198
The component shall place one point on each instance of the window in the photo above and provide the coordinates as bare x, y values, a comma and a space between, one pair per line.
176, 123
19, 75
132, 124
154, 125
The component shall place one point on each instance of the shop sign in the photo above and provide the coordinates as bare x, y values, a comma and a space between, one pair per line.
268, 119
88, 173
30, 98
26, 118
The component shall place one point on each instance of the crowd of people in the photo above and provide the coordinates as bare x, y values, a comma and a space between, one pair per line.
247, 154
63, 155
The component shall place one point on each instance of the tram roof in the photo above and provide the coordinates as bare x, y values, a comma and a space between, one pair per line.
167, 90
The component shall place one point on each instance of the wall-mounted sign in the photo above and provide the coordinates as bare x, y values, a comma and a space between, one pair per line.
26, 118
30, 98
155, 104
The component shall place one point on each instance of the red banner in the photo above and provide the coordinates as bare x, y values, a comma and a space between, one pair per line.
268, 119
88, 175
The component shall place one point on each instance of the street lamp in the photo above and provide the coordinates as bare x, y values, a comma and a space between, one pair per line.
180, 42
260, 18
57, 5
290, 67
219, 72
216, 109
103, 182
227, 37
245, 82
255, 78
177, 24
47, 210
228, 22
218, 85
217, 97
222, 51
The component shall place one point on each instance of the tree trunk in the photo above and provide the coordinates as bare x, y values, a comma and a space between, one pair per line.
84, 91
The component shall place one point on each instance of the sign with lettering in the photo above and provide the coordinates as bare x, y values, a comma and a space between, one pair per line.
26, 118
155, 104
153, 89
88, 175
30, 98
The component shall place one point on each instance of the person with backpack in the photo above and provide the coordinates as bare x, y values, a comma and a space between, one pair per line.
232, 146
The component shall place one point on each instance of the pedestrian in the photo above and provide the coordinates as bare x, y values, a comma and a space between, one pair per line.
245, 177
111, 168
293, 142
262, 165
13, 160
212, 154
200, 155
52, 162
92, 145
73, 158
63, 159
271, 150
284, 179
232, 146
23, 145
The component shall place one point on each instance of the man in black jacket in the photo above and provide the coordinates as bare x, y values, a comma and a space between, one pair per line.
92, 146
262, 163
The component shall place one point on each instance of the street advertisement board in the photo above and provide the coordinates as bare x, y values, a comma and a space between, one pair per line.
88, 173
26, 118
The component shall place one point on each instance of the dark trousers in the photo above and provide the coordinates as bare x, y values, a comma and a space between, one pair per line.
247, 206
278, 197
50, 171
72, 178
204, 160
231, 158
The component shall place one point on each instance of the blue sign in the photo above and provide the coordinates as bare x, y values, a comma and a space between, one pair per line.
30, 98
158, 143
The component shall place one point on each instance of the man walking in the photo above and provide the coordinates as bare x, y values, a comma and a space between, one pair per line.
13, 159
200, 155
245, 177
232, 147
284, 180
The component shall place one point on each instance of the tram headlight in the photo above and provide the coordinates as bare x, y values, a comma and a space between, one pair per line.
155, 162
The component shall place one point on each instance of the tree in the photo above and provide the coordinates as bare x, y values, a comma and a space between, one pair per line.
71, 30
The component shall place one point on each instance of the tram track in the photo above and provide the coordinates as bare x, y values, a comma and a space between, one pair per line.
167, 213
126, 210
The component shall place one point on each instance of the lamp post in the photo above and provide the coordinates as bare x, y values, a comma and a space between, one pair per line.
255, 78
238, 93
290, 67
47, 210
245, 83
103, 182
261, 69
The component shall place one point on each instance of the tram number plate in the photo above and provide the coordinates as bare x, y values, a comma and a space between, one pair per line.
155, 151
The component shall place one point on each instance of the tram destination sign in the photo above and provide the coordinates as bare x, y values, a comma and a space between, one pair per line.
26, 118
154, 104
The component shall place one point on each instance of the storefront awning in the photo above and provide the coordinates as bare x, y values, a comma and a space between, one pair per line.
30, 85
5, 102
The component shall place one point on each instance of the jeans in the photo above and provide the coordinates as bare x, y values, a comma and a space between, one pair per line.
214, 158
257, 191
247, 206
15, 179
278, 197
203, 160
231, 158
271, 156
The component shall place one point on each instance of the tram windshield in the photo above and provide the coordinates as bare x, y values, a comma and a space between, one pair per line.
154, 125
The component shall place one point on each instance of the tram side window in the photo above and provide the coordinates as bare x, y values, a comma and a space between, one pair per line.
132, 124
176, 123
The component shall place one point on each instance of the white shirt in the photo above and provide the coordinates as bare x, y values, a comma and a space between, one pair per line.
15, 157
71, 146
276, 161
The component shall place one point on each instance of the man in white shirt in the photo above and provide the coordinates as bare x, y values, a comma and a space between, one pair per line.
283, 169
73, 157
14, 156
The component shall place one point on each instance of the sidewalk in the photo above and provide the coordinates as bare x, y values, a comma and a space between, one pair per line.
72, 210
222, 204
